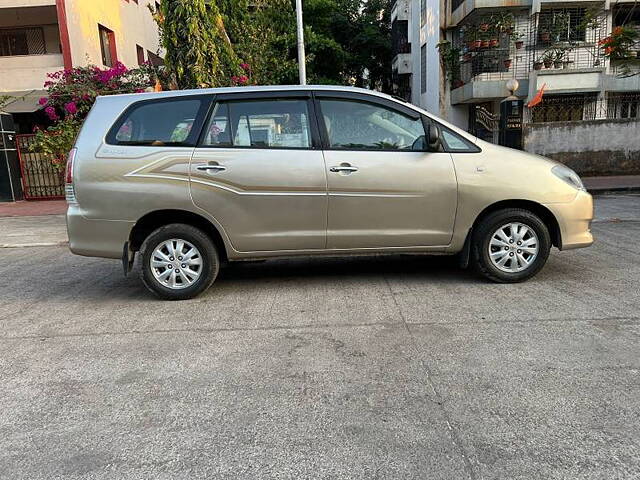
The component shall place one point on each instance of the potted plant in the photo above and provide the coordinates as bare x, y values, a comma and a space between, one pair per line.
619, 45
544, 27
504, 22
537, 65
507, 63
547, 59
517, 40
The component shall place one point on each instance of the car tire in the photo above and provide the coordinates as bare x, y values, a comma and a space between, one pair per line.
179, 262
510, 245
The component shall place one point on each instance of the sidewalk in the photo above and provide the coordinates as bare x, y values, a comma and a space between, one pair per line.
623, 183
33, 208
27, 231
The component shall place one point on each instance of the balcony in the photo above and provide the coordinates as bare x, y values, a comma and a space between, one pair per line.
461, 9
29, 46
27, 72
558, 46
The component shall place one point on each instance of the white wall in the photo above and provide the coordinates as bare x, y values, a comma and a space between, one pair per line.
27, 72
131, 23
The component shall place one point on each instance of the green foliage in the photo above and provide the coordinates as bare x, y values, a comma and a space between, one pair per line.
57, 140
450, 58
217, 42
199, 52
71, 94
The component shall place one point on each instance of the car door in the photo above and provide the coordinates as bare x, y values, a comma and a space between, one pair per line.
259, 171
385, 189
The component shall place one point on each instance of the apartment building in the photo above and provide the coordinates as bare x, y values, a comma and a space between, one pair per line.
560, 46
38, 37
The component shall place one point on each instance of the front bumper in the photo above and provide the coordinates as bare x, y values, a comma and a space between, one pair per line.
574, 219
96, 238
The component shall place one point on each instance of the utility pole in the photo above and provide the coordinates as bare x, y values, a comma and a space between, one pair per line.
302, 68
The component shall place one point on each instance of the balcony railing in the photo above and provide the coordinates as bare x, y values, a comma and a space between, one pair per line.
502, 46
563, 108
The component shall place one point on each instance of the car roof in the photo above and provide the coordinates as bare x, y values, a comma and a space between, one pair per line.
250, 89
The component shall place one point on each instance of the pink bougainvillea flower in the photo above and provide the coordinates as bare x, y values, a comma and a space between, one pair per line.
51, 113
243, 79
43, 101
71, 108
245, 66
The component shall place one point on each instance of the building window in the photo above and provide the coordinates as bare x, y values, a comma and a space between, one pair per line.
423, 68
140, 54
423, 12
566, 108
561, 25
623, 105
22, 41
400, 37
107, 46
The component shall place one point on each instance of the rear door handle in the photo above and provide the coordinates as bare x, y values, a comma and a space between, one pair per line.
217, 168
343, 168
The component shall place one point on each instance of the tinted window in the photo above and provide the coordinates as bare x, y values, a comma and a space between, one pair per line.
259, 124
161, 123
358, 125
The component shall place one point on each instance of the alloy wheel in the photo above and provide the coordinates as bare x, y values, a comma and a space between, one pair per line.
513, 247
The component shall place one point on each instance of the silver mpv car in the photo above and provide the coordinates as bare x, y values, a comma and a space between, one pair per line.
189, 179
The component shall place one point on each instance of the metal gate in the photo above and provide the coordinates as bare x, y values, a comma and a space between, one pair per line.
41, 180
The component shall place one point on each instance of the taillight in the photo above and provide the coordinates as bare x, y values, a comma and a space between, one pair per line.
68, 178
69, 191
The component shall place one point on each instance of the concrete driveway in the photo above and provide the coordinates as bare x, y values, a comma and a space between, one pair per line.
394, 367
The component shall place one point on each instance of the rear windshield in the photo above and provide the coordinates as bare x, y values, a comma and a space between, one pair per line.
159, 123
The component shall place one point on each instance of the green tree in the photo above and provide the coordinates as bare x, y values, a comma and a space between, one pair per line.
199, 51
218, 42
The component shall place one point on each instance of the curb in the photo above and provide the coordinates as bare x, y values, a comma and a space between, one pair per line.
613, 190
36, 244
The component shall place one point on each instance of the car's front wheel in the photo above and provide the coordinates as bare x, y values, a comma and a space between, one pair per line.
178, 262
510, 245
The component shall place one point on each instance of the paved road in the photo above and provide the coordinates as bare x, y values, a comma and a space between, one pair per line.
394, 367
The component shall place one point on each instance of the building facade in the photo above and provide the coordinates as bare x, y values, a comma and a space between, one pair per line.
560, 46
38, 37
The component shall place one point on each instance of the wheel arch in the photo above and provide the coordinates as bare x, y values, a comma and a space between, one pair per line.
547, 217
158, 218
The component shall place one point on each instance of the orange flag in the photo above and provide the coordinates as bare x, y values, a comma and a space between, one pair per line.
538, 97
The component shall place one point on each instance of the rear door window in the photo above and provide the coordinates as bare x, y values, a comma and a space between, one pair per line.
277, 123
173, 122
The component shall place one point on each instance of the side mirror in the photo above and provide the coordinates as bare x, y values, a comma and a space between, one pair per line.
433, 136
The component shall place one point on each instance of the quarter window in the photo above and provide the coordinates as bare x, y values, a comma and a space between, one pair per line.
259, 124
160, 123
455, 143
359, 125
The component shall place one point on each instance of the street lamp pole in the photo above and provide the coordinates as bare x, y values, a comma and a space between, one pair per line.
302, 68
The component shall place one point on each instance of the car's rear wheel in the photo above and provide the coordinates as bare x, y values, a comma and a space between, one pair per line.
510, 245
178, 262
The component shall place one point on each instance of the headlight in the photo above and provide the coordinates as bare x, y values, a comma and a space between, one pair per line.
568, 175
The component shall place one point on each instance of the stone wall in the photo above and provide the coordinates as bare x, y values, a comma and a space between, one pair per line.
591, 147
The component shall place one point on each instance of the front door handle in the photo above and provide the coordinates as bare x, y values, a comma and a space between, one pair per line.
345, 167
215, 168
